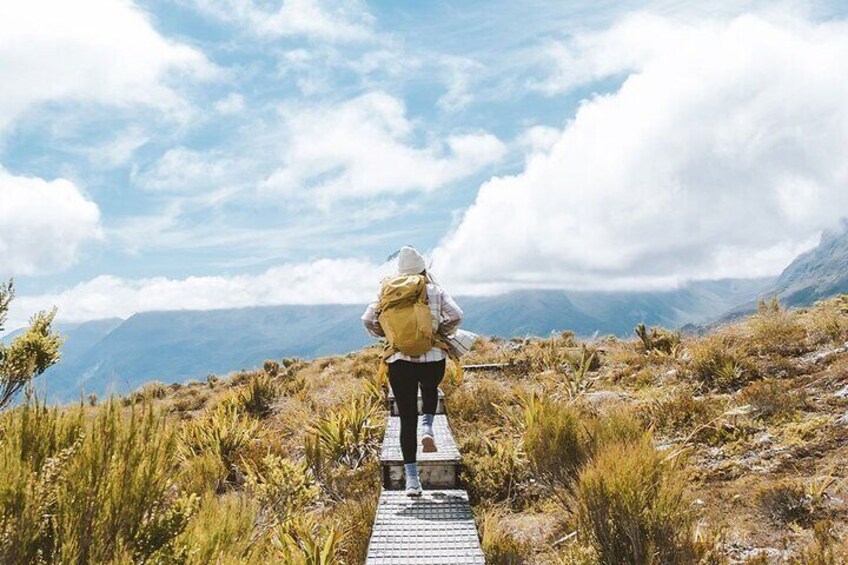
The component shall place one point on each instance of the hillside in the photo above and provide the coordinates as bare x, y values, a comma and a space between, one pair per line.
821, 272
726, 448
100, 357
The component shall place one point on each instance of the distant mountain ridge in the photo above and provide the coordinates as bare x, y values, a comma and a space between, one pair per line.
117, 356
114, 355
819, 273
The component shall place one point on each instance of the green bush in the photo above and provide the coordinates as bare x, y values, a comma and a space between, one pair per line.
283, 486
305, 541
631, 507
222, 531
88, 491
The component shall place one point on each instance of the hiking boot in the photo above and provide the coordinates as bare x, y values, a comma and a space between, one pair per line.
413, 485
428, 439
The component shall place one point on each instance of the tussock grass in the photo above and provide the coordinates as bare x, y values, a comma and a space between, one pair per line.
500, 543
776, 330
721, 362
773, 399
632, 508
224, 432
497, 470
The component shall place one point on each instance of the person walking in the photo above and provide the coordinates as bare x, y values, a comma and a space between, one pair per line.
415, 315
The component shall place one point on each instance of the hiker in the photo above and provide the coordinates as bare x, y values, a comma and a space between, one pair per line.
415, 315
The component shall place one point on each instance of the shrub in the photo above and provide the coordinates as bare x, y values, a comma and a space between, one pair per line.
477, 402
680, 413
188, 400
348, 435
30, 353
304, 541
282, 486
828, 322
223, 431
221, 531
776, 330
720, 362
355, 518
500, 544
204, 473
657, 341
556, 443
77, 491
271, 368
559, 439
786, 502
258, 396
772, 398
496, 471
631, 507
579, 366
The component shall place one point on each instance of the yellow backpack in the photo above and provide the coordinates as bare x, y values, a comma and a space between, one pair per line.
405, 314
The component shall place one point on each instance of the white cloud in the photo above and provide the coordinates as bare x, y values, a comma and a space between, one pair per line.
363, 147
103, 51
721, 154
325, 281
184, 170
232, 104
43, 224
323, 19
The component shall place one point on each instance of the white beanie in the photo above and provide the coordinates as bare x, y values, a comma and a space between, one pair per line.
410, 262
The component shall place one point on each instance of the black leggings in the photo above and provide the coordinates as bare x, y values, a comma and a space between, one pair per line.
404, 377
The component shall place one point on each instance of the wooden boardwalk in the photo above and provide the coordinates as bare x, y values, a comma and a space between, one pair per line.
437, 528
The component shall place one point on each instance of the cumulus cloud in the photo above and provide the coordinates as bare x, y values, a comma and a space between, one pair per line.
43, 224
323, 19
363, 147
337, 281
721, 154
103, 51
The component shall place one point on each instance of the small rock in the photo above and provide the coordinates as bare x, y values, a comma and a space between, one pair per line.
763, 439
740, 410
842, 420
818, 357
841, 393
602, 396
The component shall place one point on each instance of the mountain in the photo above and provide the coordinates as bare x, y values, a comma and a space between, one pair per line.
181, 345
819, 273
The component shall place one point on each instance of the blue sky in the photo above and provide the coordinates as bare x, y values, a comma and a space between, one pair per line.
203, 153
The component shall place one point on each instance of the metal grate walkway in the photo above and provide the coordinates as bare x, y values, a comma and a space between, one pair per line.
437, 528
434, 529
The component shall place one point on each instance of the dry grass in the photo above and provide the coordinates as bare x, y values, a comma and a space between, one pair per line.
632, 508
614, 451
